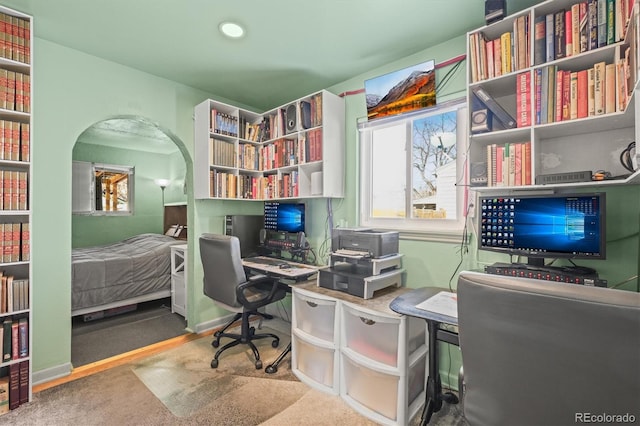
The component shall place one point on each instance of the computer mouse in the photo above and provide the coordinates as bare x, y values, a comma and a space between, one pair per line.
284, 266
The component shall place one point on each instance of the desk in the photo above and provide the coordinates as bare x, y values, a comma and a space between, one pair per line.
406, 304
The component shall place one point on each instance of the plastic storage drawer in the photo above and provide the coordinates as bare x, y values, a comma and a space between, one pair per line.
315, 362
372, 389
315, 316
372, 336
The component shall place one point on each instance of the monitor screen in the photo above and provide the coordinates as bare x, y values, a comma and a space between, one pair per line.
284, 217
544, 226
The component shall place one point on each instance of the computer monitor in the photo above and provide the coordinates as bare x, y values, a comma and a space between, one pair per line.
544, 226
284, 217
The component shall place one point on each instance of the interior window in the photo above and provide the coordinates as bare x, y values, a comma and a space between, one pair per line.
412, 171
102, 189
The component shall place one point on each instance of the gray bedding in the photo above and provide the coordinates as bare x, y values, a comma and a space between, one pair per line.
119, 271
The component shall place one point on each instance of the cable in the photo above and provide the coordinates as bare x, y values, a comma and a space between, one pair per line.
626, 157
464, 247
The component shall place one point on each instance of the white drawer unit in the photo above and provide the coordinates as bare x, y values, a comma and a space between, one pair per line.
179, 279
374, 358
314, 337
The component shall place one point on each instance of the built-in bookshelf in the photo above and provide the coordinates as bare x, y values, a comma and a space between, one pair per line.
558, 104
293, 151
16, 33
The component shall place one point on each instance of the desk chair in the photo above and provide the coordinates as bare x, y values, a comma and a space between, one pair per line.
545, 353
226, 283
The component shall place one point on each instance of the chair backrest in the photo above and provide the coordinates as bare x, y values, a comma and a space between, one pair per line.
223, 270
538, 352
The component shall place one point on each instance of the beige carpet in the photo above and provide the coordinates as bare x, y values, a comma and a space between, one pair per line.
178, 387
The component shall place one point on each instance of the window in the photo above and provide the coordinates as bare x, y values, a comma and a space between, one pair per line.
102, 189
412, 172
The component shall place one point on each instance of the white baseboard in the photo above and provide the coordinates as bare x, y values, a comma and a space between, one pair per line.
215, 323
52, 373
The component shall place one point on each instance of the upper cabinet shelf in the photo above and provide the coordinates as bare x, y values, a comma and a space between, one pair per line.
293, 151
554, 97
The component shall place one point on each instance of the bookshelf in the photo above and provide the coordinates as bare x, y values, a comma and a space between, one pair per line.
290, 152
573, 96
16, 33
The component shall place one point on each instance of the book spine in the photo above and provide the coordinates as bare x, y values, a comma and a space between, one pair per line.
539, 40
610, 88
584, 27
523, 96
591, 99
538, 93
23, 372
573, 108
527, 163
560, 38
575, 28
566, 95
568, 32
602, 22
599, 87
583, 93
550, 37
611, 21
14, 386
593, 23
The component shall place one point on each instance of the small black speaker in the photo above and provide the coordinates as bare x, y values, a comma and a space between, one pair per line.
494, 10
263, 236
478, 174
291, 118
481, 121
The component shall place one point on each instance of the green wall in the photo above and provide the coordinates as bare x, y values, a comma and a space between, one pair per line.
74, 90
148, 210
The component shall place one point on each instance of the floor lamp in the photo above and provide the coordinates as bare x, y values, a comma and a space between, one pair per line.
162, 183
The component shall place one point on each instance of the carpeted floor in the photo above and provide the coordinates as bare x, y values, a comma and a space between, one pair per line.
178, 387
151, 322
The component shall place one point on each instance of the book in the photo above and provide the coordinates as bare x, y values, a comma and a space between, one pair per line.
566, 95
602, 22
539, 40
559, 34
591, 99
6, 339
583, 93
584, 26
4, 394
610, 88
573, 105
568, 32
23, 329
24, 382
611, 21
592, 10
559, 95
505, 49
499, 113
14, 386
599, 87
523, 99
575, 28
550, 26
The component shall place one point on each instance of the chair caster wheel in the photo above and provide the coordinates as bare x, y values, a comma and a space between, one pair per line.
258, 365
215, 343
275, 343
271, 369
252, 331
214, 363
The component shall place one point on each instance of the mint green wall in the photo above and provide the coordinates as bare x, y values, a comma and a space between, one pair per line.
147, 196
74, 90
177, 174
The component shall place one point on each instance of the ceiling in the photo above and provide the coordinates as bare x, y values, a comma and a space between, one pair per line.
291, 47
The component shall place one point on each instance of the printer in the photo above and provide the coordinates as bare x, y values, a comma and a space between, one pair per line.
362, 261
364, 240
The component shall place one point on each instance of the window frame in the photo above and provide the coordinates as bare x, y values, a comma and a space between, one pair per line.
445, 230
80, 188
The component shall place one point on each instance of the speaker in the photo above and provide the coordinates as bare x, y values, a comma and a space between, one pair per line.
262, 236
291, 118
494, 10
481, 121
478, 174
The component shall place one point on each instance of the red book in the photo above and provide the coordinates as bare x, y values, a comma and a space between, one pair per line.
559, 94
583, 94
568, 32
566, 95
23, 382
14, 386
523, 96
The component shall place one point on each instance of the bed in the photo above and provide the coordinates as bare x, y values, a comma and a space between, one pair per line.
130, 271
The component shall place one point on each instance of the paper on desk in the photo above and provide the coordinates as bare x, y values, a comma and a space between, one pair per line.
444, 303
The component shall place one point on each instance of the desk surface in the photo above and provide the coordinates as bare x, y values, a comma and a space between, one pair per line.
293, 270
406, 304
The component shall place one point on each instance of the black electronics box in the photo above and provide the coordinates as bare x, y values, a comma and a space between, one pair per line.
494, 10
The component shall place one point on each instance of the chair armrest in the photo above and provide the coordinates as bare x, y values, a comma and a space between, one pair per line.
261, 282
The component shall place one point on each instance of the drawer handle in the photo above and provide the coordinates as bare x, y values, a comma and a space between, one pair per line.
311, 304
367, 321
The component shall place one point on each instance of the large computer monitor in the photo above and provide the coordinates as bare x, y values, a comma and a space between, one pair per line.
544, 226
284, 217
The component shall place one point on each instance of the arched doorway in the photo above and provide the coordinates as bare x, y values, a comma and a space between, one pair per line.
137, 170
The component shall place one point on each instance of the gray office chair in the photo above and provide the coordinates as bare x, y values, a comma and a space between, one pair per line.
544, 353
226, 283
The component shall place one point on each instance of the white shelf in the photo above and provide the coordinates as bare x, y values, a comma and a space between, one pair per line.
179, 279
331, 144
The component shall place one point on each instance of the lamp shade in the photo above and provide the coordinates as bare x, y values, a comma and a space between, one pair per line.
162, 183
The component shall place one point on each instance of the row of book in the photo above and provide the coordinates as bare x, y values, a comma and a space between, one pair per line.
307, 147
14, 294
13, 190
14, 339
305, 114
567, 95
491, 58
15, 38
15, 242
14, 386
14, 141
15, 91
584, 26
229, 185
509, 164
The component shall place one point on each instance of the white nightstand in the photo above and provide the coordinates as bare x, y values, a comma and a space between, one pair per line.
179, 279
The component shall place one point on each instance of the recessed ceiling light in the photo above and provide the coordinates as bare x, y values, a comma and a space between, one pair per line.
231, 29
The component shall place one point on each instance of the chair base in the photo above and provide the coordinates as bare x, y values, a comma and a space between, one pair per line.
246, 337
